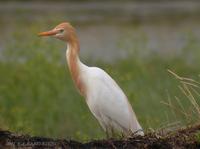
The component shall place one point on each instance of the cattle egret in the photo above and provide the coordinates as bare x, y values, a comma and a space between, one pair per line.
105, 99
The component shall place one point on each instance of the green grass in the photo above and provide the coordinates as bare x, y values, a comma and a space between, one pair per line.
37, 95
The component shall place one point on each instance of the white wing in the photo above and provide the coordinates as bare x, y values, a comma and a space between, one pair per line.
108, 103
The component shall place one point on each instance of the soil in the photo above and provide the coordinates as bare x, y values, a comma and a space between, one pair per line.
184, 138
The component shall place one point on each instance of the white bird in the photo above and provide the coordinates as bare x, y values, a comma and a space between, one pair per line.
104, 97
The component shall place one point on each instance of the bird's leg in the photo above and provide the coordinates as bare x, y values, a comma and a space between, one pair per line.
107, 133
122, 135
128, 135
112, 132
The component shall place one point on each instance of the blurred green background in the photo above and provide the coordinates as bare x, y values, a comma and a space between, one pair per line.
135, 42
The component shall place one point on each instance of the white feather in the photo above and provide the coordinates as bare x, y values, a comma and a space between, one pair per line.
107, 101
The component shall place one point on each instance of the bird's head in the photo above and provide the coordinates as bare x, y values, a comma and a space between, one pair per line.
63, 31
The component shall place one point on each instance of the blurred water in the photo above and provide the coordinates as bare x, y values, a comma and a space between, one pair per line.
109, 31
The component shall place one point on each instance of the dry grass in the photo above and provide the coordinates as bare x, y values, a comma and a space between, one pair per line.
190, 88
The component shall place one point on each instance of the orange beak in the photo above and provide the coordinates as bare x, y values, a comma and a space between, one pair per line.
48, 33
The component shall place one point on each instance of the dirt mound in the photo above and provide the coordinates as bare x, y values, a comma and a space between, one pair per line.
182, 138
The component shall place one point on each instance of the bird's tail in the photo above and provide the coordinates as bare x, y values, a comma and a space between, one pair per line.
139, 132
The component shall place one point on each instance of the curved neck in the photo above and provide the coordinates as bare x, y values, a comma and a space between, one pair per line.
74, 64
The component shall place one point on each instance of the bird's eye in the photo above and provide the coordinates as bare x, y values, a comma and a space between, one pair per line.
61, 30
